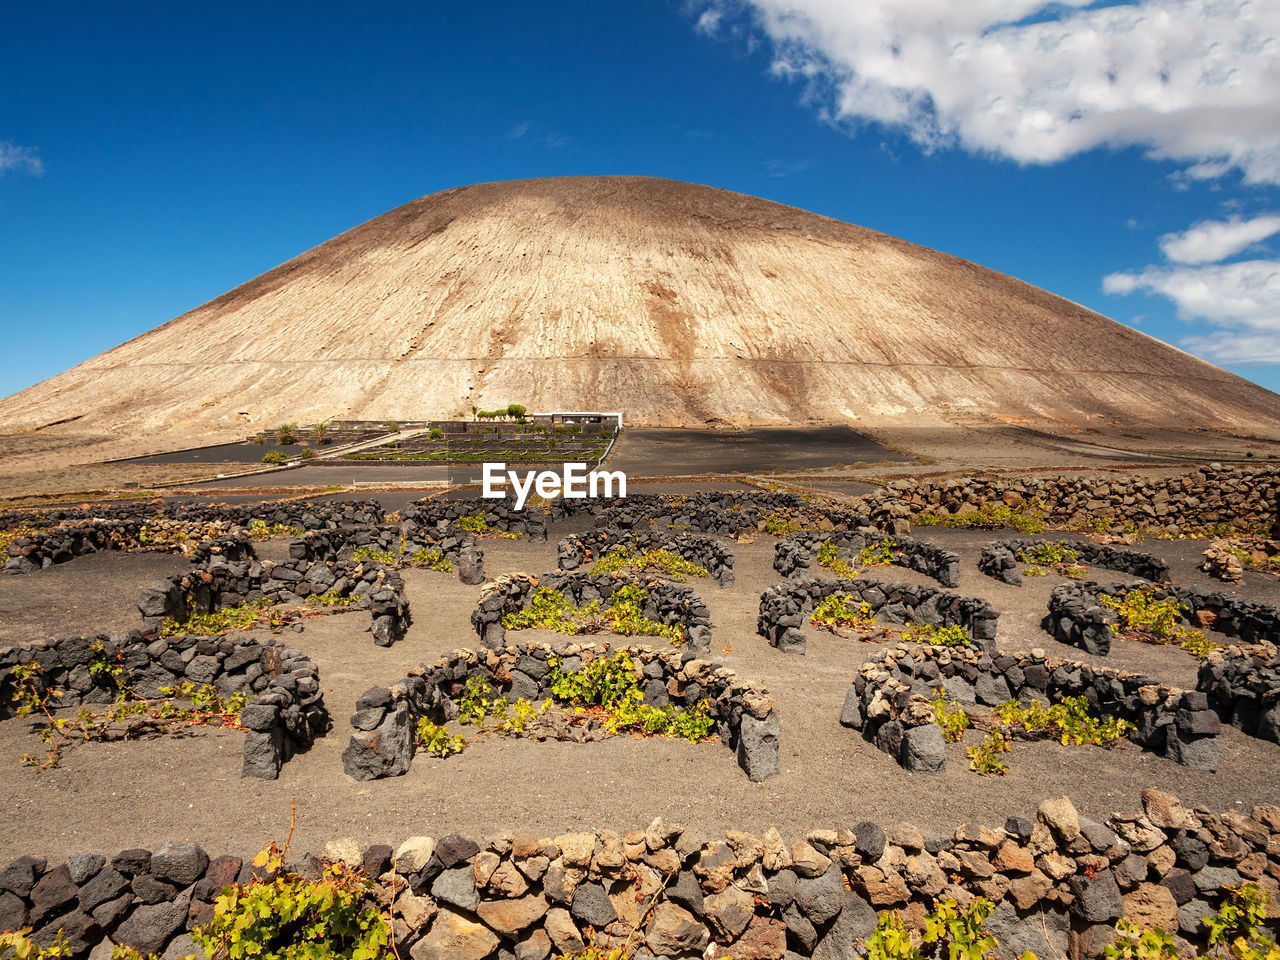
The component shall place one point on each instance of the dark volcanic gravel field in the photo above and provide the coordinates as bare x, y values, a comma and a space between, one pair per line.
107, 797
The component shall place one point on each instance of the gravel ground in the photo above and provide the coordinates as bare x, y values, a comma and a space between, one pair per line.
111, 796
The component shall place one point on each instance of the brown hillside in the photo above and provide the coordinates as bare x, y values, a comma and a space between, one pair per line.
676, 303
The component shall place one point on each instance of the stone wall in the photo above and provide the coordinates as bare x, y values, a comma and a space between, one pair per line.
796, 553
784, 607
1077, 618
890, 701
232, 575
999, 560
1244, 497
307, 513
669, 603
286, 708
401, 540
386, 717
498, 514
62, 535
715, 555
1243, 686
1059, 881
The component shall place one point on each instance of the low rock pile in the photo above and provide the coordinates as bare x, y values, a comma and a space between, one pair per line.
668, 603
386, 717
1000, 560
784, 607
715, 555
796, 553
890, 701
286, 711
1222, 562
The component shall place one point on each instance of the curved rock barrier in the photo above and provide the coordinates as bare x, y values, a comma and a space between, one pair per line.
715, 555
400, 540
796, 554
496, 514
784, 607
1243, 686
1204, 499
39, 549
285, 713
674, 604
1059, 881
232, 575
62, 535
386, 718
1077, 618
890, 701
999, 560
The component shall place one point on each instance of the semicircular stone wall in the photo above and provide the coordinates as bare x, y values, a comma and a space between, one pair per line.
386, 717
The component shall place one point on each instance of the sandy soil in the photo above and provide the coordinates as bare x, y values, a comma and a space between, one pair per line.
111, 796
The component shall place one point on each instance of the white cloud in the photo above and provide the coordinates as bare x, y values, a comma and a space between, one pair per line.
709, 21
14, 157
1195, 81
1212, 240
1241, 299
519, 130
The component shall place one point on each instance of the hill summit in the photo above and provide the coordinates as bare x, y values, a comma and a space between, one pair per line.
675, 303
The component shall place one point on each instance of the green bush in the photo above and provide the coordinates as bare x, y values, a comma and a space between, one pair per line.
1142, 613
881, 554
950, 931
551, 610
435, 433
985, 757
840, 610
612, 685
829, 559
276, 457
626, 558
1049, 554
950, 716
1069, 720
991, 516
17, 945
952, 636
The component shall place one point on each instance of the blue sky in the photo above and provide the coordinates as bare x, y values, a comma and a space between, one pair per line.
1122, 155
